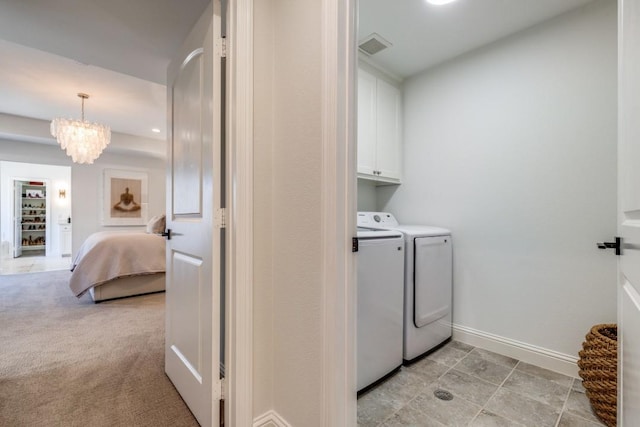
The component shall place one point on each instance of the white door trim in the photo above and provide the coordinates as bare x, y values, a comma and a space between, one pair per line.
338, 212
239, 283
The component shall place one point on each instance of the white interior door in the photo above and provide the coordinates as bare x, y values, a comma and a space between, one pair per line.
17, 219
629, 214
192, 342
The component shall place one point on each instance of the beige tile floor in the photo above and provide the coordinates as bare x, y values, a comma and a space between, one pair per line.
488, 390
32, 264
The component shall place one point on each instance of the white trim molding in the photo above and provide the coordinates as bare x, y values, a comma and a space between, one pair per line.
539, 356
338, 213
239, 284
270, 419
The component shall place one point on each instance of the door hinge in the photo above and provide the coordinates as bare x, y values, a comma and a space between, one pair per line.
221, 44
355, 246
221, 217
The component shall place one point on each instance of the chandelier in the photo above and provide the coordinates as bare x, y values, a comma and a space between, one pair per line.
83, 141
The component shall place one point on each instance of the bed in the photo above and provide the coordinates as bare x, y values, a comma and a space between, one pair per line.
117, 264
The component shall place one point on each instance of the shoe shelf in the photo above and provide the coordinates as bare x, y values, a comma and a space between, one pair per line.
34, 216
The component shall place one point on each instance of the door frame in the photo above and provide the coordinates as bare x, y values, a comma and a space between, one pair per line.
239, 235
338, 213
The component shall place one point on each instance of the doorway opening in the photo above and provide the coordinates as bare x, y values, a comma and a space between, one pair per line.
35, 217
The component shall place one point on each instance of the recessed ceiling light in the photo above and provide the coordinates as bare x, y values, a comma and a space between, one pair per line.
155, 130
440, 2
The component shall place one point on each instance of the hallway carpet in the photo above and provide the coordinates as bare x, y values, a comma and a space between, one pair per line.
69, 362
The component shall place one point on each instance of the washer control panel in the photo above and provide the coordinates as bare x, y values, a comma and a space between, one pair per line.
376, 220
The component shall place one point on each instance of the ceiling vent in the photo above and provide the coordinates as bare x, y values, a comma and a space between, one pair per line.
373, 44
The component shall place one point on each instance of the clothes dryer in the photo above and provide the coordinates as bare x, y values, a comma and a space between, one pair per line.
428, 278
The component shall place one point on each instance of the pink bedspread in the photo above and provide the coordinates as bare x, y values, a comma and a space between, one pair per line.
108, 255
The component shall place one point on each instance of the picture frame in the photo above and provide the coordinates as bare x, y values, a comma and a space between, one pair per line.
125, 198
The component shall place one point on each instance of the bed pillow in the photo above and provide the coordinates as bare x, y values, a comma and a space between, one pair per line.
156, 224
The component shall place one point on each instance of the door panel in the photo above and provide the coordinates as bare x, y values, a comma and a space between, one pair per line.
388, 124
187, 155
629, 212
192, 342
366, 123
433, 275
186, 327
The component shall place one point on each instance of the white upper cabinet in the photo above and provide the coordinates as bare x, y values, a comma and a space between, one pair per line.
379, 129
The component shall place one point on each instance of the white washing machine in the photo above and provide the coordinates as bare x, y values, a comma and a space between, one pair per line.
428, 273
380, 304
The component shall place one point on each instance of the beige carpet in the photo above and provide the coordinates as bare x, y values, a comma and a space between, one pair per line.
69, 362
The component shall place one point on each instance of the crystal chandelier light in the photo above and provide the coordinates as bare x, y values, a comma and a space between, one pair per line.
83, 141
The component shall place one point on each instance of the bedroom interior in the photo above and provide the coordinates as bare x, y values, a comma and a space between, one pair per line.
60, 363
129, 353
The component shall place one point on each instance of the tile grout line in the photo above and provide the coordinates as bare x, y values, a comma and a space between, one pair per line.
575, 415
481, 406
462, 398
496, 392
457, 362
564, 405
449, 368
417, 394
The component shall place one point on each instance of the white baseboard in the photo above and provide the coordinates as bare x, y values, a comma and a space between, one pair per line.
542, 357
270, 419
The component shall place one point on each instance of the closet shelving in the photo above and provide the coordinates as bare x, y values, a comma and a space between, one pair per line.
34, 216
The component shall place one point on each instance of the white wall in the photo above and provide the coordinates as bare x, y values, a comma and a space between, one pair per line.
86, 181
513, 147
287, 277
367, 195
56, 178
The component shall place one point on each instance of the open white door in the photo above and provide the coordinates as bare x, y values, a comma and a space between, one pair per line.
629, 214
17, 219
192, 343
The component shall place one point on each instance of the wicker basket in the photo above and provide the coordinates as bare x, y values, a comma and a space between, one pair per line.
599, 370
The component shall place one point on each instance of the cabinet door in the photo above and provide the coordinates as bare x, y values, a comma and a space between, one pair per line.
366, 123
388, 123
65, 240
